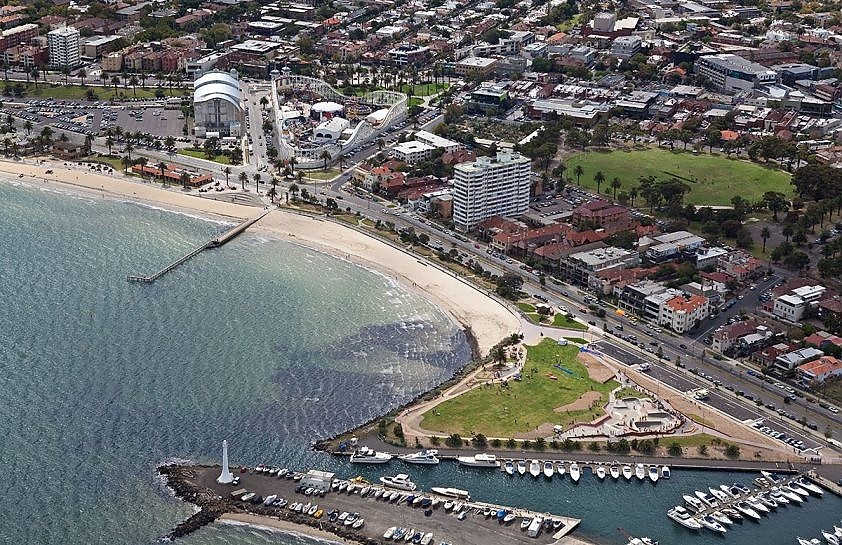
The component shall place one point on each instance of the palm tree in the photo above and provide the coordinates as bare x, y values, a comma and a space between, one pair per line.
325, 156
227, 171
115, 81
28, 126
764, 234
6, 71
163, 167
109, 142
185, 180
633, 194
293, 188
615, 185
599, 177
273, 191
257, 181
89, 140
126, 163
243, 179
133, 81
82, 75
292, 162
7, 143
128, 149
103, 78
787, 232
578, 171
264, 102
142, 162
118, 132
34, 73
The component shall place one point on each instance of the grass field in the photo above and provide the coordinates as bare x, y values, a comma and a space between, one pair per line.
561, 320
423, 89
321, 174
690, 440
77, 92
523, 405
200, 154
713, 179
628, 392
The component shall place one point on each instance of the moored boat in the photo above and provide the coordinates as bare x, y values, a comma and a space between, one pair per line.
401, 481
548, 470
575, 472
521, 467
614, 471
478, 460
627, 472
452, 492
639, 471
746, 510
424, 457
365, 455
600, 472
683, 517
710, 523
804, 483
509, 467
654, 474
695, 503
665, 472
534, 468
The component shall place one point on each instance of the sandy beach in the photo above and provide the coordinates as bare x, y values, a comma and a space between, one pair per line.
488, 319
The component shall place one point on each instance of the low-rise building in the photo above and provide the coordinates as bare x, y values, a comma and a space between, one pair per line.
412, 152
601, 214
681, 314
818, 371
790, 360
475, 65
797, 303
731, 73
626, 47
581, 266
632, 297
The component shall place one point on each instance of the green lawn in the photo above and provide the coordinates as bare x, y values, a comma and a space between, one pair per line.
321, 174
629, 392
423, 89
114, 161
526, 307
200, 154
561, 320
77, 92
689, 440
713, 179
577, 340
570, 23
523, 405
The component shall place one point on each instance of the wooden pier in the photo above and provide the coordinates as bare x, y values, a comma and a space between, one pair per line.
213, 243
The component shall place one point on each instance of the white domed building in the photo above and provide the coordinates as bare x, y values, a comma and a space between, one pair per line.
217, 103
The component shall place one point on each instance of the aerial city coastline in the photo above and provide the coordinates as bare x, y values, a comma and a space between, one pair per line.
431, 271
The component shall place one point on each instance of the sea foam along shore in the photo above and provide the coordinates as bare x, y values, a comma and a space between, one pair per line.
274, 524
489, 320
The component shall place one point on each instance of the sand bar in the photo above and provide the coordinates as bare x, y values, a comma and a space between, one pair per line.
488, 319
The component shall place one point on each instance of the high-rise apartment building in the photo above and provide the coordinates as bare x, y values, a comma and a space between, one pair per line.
64, 47
487, 187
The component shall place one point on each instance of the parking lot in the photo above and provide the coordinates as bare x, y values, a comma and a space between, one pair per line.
156, 121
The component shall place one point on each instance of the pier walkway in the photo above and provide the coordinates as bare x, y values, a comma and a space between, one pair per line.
213, 243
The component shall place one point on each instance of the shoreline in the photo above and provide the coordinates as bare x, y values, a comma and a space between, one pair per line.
271, 524
484, 320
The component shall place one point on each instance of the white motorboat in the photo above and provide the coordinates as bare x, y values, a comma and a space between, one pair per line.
559, 468
424, 457
401, 481
830, 538
548, 470
524, 524
614, 470
351, 488
730, 490
837, 531
575, 472
365, 455
683, 517
312, 510
600, 472
654, 474
641, 541
358, 523
809, 486
509, 467
521, 467
719, 494
776, 494
457, 506
448, 505
746, 510
247, 497
378, 493
665, 472
797, 489
452, 492
694, 503
627, 472
478, 460
270, 499
767, 500
389, 532
639, 471
707, 498
710, 523
802, 541
409, 535
792, 494
509, 518
428, 537
534, 468
732, 513
721, 518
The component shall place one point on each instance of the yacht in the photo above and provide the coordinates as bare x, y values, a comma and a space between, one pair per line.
534, 468
802, 541
366, 455
521, 467
509, 467
757, 505
707, 498
270, 499
730, 490
791, 494
683, 517
719, 494
451, 492
654, 474
424, 457
767, 500
600, 472
401, 481
665, 472
746, 510
809, 486
641, 541
710, 523
575, 472
732, 513
830, 538
694, 503
614, 470
627, 472
639, 471
776, 494
721, 518
548, 470
797, 489
478, 460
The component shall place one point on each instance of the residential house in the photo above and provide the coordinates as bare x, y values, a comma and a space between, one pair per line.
582, 266
790, 360
681, 313
817, 371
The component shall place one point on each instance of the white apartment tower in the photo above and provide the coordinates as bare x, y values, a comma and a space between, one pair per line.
64, 47
489, 187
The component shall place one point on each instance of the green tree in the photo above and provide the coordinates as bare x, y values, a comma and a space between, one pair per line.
765, 234
599, 177
615, 185
578, 171
243, 179
675, 450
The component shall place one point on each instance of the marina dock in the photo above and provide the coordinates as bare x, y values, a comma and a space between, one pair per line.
474, 528
213, 243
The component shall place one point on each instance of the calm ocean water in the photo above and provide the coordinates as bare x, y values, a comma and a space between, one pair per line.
262, 342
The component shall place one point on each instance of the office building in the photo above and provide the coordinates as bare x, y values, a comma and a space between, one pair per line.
733, 73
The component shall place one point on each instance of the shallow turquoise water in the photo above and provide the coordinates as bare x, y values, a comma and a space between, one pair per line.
262, 342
